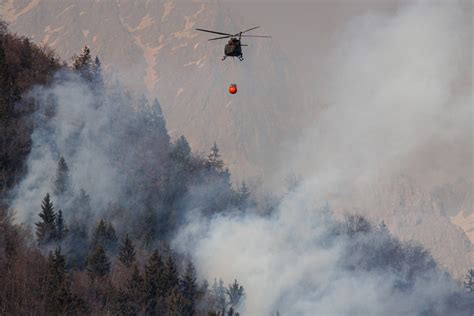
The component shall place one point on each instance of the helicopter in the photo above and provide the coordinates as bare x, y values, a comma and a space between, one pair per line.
233, 48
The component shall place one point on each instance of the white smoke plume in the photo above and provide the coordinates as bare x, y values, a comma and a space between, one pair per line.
399, 90
90, 131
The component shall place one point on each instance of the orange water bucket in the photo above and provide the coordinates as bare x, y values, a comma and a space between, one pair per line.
233, 88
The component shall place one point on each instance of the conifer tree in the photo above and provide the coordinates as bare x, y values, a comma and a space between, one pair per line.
181, 152
98, 78
170, 273
77, 243
219, 297
243, 195
59, 298
45, 230
61, 181
81, 208
158, 118
61, 229
149, 224
56, 281
175, 303
98, 264
6, 106
127, 252
83, 64
469, 281
135, 288
189, 289
383, 229
153, 281
235, 293
105, 236
214, 159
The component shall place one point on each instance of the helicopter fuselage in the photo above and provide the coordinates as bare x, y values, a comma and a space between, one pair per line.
233, 48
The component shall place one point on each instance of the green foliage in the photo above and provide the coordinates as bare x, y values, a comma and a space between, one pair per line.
59, 298
170, 279
235, 293
98, 265
61, 229
127, 252
83, 64
45, 229
469, 281
61, 181
189, 289
105, 236
154, 271
214, 160
242, 197
135, 289
22, 65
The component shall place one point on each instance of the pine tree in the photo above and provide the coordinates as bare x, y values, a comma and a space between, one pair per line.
56, 281
181, 152
170, 273
243, 195
153, 281
135, 288
45, 230
189, 289
175, 303
235, 293
61, 229
98, 78
77, 243
8, 90
219, 297
469, 282
149, 224
158, 118
127, 252
214, 159
98, 264
59, 298
5, 104
83, 64
383, 229
81, 208
105, 236
61, 181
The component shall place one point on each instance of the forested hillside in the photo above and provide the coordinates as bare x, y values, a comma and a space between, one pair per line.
22, 65
96, 196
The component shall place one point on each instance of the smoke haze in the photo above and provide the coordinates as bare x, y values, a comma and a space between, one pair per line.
399, 101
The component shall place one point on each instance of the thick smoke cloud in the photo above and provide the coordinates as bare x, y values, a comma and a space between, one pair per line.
92, 132
398, 92
399, 96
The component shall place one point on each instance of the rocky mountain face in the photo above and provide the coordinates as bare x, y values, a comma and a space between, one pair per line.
152, 46
440, 218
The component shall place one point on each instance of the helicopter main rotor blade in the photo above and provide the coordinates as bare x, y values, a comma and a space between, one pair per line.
216, 38
253, 28
202, 30
265, 36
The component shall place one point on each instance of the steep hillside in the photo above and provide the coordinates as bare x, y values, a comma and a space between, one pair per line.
413, 212
153, 46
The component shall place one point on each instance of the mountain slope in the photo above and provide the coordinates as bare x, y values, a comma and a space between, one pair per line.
153, 46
